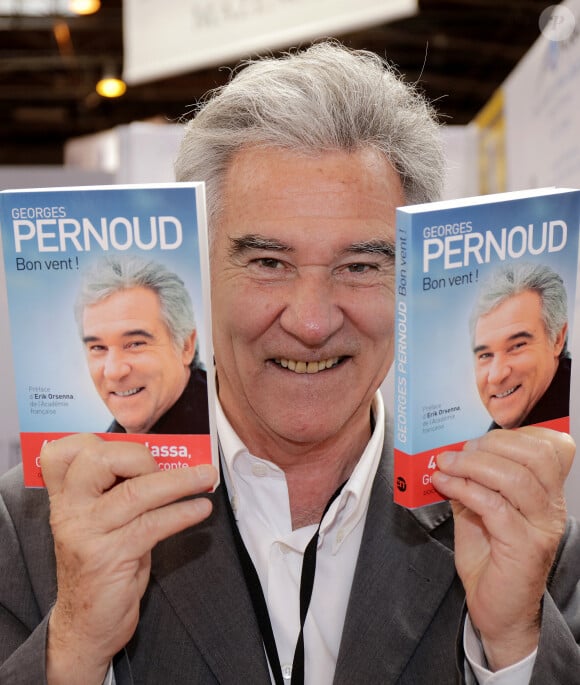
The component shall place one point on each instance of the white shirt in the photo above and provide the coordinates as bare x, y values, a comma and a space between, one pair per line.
259, 497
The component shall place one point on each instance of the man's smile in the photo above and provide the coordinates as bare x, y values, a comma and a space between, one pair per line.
308, 367
127, 393
506, 393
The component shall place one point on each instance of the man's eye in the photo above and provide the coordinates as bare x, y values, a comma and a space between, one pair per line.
360, 268
269, 263
363, 274
134, 344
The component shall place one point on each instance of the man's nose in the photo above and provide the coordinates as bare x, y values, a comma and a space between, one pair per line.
499, 369
312, 314
116, 365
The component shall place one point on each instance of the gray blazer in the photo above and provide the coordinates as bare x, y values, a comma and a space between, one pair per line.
197, 624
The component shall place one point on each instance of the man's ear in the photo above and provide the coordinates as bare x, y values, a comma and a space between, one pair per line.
188, 351
560, 340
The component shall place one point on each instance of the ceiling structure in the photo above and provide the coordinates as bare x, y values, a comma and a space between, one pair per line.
459, 51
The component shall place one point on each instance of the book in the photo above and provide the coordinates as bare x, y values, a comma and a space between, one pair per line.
464, 347
93, 351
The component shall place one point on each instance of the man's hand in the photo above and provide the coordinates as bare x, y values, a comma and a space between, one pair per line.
507, 493
110, 505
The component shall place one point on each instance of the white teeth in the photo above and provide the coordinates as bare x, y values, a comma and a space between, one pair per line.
127, 393
501, 395
307, 367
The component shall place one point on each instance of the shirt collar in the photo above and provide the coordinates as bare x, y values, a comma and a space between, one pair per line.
350, 506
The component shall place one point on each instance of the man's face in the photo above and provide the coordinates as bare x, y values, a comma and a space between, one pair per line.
514, 358
303, 293
135, 365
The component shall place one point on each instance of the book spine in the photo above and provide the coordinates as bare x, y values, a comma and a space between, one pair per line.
412, 472
402, 428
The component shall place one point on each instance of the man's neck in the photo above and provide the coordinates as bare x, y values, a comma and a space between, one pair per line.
313, 472
311, 485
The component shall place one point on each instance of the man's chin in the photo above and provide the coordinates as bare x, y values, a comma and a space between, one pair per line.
504, 412
508, 422
132, 426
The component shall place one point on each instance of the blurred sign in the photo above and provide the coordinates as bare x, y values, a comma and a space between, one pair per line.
165, 39
542, 101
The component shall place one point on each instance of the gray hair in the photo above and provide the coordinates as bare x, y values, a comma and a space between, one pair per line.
115, 272
326, 98
512, 279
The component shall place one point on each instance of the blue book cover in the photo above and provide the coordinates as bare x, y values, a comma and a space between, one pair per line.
485, 291
108, 296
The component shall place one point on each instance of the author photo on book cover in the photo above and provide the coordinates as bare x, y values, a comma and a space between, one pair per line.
298, 567
519, 336
136, 321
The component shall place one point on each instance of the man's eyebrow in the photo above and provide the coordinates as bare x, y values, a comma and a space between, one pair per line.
514, 336
132, 333
381, 247
254, 241
139, 332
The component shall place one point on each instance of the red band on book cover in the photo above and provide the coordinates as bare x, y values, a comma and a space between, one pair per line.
169, 451
412, 475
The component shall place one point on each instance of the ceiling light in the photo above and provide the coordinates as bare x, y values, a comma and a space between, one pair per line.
111, 86
84, 6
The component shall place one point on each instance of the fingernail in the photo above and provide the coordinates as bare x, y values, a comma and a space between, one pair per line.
441, 478
206, 472
446, 459
202, 506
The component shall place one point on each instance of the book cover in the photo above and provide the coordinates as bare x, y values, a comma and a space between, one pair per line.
485, 291
109, 316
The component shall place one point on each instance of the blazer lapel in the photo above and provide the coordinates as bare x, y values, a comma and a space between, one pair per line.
401, 578
200, 575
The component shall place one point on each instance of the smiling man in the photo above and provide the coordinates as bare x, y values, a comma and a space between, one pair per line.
519, 336
306, 572
136, 321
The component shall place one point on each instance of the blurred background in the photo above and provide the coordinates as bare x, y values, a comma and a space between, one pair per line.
459, 51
